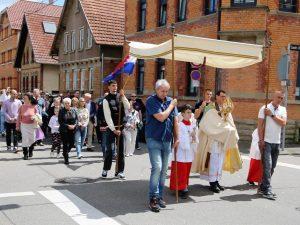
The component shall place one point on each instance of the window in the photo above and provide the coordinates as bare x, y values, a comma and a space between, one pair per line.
288, 5
9, 55
66, 42
3, 57
49, 27
140, 76
73, 41
191, 89
27, 83
243, 2
9, 81
182, 10
91, 79
210, 6
162, 13
82, 80
32, 83
75, 79
143, 8
81, 38
89, 39
35, 81
67, 80
160, 69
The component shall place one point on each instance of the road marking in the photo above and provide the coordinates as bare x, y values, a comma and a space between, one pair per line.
278, 163
16, 194
80, 211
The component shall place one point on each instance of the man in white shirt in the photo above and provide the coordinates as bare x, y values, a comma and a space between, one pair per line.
274, 117
91, 106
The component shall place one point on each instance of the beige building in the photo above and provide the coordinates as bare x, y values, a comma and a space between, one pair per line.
38, 68
88, 43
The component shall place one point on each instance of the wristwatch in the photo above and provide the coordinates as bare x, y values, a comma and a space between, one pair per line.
272, 115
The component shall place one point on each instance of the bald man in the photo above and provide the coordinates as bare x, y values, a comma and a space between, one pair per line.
10, 110
269, 140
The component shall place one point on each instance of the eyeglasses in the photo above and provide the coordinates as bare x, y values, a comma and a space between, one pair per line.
133, 96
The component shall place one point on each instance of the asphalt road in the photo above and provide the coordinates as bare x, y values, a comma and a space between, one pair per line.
44, 191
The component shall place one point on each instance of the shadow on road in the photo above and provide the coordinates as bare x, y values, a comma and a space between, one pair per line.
240, 198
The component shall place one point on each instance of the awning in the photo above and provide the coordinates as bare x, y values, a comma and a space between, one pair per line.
218, 53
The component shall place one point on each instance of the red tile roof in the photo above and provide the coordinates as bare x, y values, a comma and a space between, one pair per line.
106, 19
16, 11
41, 41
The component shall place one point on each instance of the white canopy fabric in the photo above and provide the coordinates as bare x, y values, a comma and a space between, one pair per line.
218, 53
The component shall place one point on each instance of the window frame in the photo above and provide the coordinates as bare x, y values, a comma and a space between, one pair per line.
66, 42
81, 38
73, 41
67, 77
179, 16
142, 15
163, 7
140, 76
292, 9
91, 78
89, 39
160, 67
82, 81
243, 4
75, 81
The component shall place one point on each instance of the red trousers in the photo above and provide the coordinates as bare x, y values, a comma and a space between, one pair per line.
255, 171
183, 173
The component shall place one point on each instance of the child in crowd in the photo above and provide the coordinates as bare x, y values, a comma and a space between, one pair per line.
56, 139
185, 152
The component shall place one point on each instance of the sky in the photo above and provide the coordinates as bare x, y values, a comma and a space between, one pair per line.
6, 3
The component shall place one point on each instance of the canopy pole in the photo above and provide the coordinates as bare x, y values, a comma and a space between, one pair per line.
174, 93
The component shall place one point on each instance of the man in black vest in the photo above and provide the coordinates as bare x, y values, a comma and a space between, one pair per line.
111, 104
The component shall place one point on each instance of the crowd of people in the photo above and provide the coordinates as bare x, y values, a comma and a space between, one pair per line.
69, 121
201, 139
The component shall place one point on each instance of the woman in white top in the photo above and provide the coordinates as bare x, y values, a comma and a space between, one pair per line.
130, 130
83, 121
56, 138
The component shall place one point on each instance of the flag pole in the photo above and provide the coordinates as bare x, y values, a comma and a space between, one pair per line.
174, 85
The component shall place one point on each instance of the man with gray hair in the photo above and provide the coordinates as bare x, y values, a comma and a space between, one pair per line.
91, 106
161, 122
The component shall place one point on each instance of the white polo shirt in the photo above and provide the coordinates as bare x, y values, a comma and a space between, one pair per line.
273, 129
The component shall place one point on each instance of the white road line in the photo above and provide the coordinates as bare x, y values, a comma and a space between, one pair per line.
80, 211
278, 163
16, 194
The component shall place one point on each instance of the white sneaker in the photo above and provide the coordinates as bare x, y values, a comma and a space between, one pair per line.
121, 176
127, 155
8, 148
15, 150
104, 173
131, 154
79, 157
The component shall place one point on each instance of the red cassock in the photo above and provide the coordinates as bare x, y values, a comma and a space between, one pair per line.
183, 172
255, 171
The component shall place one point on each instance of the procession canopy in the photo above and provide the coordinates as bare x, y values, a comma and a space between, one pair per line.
218, 53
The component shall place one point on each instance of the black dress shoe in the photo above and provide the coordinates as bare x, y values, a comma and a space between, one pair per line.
30, 154
25, 157
184, 194
214, 188
89, 149
220, 187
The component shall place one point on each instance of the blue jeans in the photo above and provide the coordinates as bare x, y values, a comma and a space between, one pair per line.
269, 160
80, 135
103, 142
159, 152
2, 121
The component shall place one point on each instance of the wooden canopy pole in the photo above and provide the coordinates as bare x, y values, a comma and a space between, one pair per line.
174, 85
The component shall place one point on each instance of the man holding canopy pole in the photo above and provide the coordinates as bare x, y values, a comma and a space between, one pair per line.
161, 121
